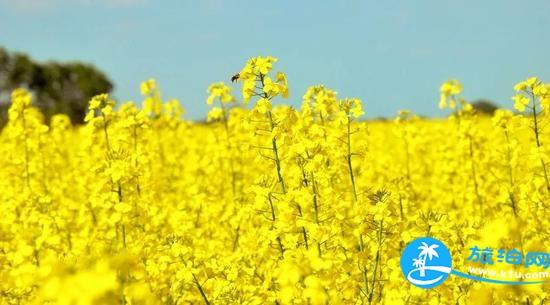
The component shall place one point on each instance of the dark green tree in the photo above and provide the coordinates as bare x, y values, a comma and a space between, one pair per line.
57, 87
484, 106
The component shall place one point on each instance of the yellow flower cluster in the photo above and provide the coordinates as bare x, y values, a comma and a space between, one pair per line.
265, 204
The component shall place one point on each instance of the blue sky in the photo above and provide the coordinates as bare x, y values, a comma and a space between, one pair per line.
392, 54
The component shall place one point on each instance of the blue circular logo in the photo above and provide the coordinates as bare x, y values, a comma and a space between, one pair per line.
426, 262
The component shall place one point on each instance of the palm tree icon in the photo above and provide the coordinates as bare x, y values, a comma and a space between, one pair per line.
425, 252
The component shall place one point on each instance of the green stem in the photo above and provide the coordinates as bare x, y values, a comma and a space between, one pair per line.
201, 290
510, 173
315, 206
474, 174
276, 154
348, 157
280, 243
538, 141
136, 163
376, 261
228, 139
274, 146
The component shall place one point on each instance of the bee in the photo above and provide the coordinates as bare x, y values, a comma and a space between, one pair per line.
235, 78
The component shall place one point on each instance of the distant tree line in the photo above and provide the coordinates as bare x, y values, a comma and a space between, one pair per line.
484, 106
56, 87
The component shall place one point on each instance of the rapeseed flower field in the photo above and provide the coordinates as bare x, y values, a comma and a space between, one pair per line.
265, 203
